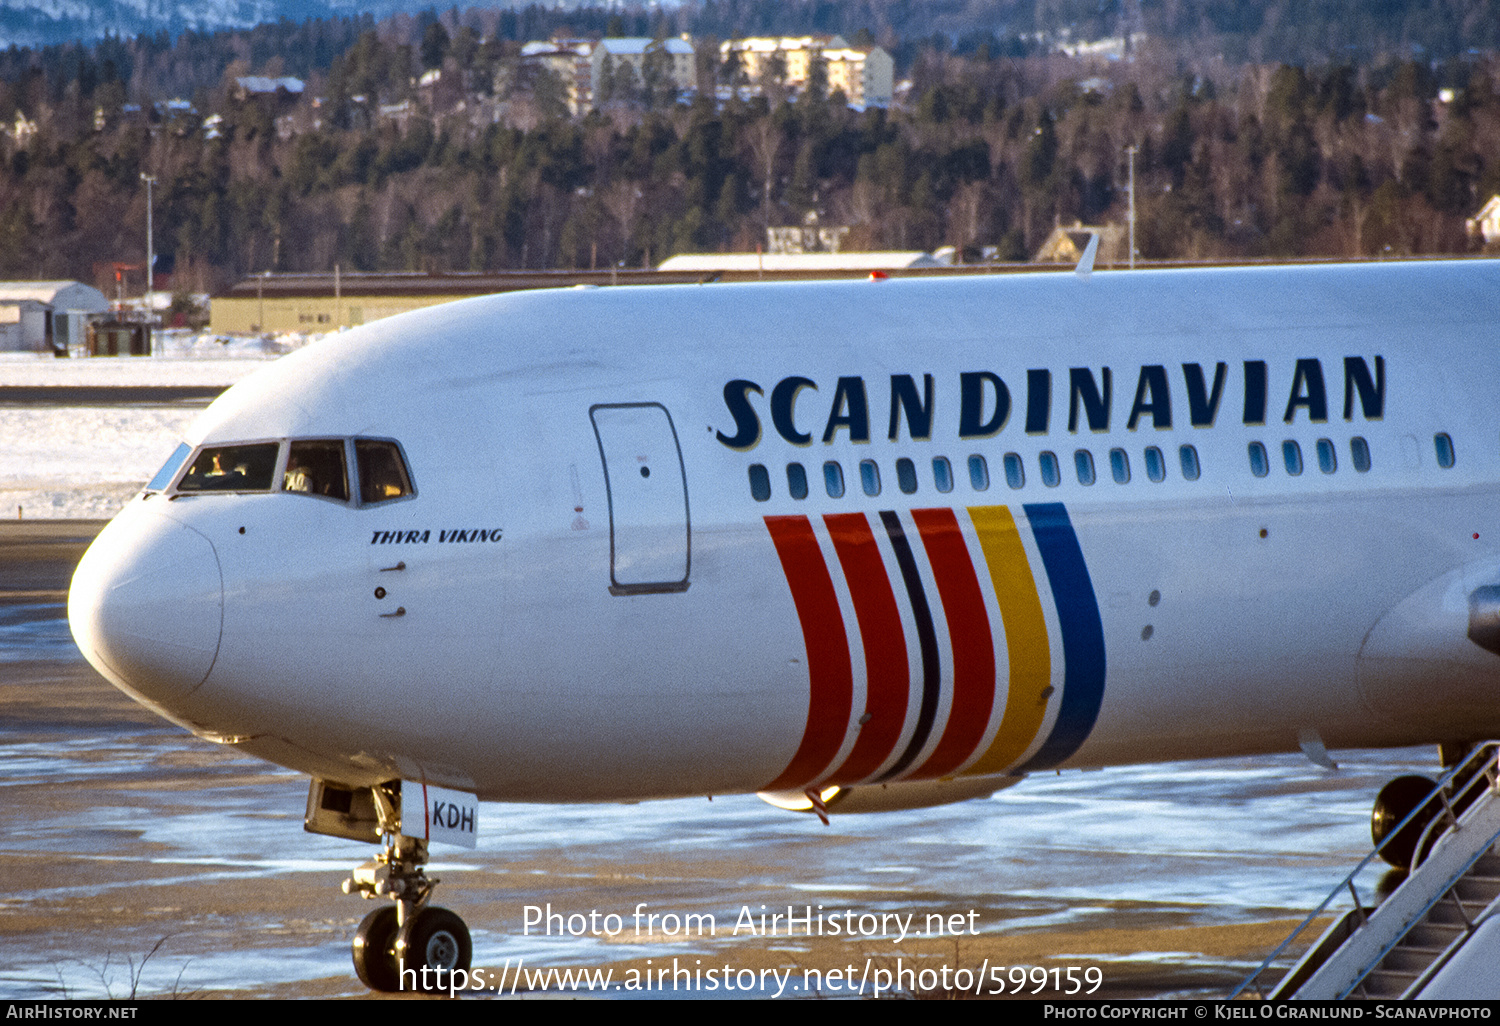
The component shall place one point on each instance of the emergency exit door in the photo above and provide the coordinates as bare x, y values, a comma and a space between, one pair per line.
650, 539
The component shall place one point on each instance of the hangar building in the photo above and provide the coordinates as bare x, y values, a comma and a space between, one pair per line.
37, 316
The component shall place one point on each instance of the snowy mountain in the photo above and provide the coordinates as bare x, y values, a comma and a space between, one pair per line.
45, 22
42, 22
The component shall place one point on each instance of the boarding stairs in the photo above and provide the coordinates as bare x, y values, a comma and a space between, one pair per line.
1434, 936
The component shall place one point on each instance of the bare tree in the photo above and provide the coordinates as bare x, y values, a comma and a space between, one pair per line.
622, 200
965, 215
765, 141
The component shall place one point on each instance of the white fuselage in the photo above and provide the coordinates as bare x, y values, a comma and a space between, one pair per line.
595, 604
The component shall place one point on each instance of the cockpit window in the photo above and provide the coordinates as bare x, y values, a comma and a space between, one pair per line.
313, 466
170, 468
232, 468
317, 468
382, 471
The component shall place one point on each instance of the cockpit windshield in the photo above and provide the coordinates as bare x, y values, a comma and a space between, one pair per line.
382, 471
299, 466
170, 468
232, 468
317, 468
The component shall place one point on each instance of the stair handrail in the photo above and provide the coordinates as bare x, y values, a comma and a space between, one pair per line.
1446, 955
1434, 828
1478, 756
1471, 923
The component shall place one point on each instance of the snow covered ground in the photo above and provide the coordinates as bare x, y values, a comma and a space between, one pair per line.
187, 358
62, 462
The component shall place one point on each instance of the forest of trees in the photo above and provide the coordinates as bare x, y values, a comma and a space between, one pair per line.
992, 146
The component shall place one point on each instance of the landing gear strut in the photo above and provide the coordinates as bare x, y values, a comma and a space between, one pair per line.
411, 945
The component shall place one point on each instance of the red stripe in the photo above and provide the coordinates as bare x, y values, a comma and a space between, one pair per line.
886, 669
830, 676
969, 634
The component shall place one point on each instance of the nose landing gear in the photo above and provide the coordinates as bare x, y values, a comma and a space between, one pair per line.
410, 945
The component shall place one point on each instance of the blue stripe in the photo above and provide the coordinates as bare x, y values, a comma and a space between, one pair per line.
1082, 635
926, 636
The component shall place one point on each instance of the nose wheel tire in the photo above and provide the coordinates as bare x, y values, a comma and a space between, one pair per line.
375, 951
437, 940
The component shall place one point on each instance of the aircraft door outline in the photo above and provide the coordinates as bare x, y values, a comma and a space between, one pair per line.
645, 480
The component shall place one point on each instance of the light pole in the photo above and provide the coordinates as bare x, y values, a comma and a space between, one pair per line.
150, 180
1130, 152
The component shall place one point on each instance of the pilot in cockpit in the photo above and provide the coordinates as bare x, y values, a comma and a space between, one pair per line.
298, 478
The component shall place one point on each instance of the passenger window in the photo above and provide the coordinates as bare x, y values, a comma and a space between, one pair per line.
869, 477
1260, 465
317, 468
382, 471
979, 474
1015, 471
1187, 455
760, 482
1328, 460
1291, 455
942, 474
833, 479
232, 468
170, 468
796, 481
906, 475
1156, 464
1359, 451
1051, 471
1119, 466
1444, 446
1083, 463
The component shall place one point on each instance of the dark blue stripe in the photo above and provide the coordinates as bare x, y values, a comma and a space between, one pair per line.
1082, 635
926, 636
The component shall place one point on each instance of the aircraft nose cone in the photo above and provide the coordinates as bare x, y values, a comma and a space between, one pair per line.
146, 606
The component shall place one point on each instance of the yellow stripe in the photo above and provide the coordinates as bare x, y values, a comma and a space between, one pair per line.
1025, 639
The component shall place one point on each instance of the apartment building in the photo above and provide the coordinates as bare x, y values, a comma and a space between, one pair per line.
865, 75
610, 55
